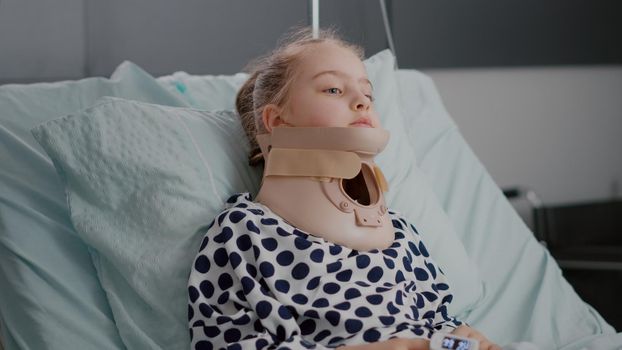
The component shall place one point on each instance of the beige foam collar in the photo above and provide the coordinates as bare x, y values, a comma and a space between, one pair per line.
312, 162
321, 152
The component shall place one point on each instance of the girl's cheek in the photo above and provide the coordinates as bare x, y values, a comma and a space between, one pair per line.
321, 120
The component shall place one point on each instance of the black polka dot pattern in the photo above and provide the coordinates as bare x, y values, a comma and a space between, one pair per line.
259, 283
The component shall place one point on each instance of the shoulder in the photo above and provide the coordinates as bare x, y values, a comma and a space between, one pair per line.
238, 198
400, 221
241, 211
243, 202
232, 225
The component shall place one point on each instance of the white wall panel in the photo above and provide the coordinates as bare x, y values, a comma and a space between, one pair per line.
557, 130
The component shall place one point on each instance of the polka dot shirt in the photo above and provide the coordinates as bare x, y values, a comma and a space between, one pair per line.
260, 283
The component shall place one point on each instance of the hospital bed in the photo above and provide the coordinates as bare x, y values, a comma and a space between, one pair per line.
107, 184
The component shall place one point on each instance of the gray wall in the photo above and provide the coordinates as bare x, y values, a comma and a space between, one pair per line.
196, 36
487, 33
547, 123
70, 39
557, 130
41, 40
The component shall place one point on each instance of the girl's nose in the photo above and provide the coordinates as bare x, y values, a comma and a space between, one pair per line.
361, 103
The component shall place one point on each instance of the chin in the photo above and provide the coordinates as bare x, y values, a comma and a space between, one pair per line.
360, 125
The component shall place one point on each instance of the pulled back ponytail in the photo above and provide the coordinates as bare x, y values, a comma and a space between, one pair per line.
245, 108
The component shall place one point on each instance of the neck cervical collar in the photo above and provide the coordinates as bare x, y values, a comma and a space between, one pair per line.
324, 181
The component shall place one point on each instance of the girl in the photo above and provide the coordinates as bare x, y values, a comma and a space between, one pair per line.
259, 282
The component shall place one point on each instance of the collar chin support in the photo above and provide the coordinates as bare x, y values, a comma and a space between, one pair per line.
324, 181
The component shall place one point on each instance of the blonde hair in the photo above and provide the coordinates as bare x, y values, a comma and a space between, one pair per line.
270, 78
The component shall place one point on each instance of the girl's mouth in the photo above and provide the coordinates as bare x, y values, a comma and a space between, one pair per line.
362, 123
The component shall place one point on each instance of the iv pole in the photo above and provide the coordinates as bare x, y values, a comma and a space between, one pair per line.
314, 19
387, 29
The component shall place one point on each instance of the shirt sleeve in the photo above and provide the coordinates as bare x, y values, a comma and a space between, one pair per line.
230, 305
441, 320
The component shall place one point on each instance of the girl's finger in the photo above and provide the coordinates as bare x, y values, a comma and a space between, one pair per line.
462, 331
418, 344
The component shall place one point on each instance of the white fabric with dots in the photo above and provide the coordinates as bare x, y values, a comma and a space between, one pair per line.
259, 282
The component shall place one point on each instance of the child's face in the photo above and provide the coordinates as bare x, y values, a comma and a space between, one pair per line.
330, 89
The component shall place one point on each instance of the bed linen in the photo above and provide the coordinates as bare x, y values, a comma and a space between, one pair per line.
142, 179
50, 295
552, 314
526, 296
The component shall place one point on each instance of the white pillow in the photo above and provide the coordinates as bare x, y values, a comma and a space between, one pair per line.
209, 92
141, 181
410, 191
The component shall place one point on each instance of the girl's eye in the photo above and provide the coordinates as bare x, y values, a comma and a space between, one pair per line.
370, 97
333, 91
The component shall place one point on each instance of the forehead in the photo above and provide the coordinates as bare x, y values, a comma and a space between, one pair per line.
330, 57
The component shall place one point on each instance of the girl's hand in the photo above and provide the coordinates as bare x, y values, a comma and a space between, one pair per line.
484, 344
392, 344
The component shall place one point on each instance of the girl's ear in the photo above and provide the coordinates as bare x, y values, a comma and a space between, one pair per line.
271, 116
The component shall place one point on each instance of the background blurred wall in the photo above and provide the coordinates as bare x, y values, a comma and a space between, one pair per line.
534, 86
557, 130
